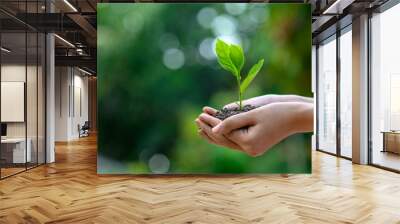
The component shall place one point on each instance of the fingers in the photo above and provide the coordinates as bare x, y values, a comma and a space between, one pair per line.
232, 123
209, 110
232, 105
210, 120
205, 136
205, 128
206, 132
238, 136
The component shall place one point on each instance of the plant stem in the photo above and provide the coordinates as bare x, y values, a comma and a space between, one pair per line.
240, 93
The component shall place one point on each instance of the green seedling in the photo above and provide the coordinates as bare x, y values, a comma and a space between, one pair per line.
231, 58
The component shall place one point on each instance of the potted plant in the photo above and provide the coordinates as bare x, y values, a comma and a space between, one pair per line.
231, 58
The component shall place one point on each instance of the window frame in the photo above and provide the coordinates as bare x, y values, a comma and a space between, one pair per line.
342, 26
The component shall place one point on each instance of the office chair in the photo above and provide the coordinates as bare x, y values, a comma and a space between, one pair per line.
84, 130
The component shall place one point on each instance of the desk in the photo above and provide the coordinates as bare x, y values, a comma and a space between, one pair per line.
391, 141
16, 147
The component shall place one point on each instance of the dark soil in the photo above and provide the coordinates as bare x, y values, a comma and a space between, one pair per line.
225, 113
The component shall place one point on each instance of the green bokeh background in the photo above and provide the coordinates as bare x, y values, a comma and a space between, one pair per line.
146, 108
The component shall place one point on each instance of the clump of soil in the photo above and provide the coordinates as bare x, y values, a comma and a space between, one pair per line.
225, 113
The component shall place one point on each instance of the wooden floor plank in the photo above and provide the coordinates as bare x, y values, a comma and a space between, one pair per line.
70, 191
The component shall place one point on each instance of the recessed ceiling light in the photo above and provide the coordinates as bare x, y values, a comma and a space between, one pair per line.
5, 50
84, 71
337, 7
65, 41
70, 5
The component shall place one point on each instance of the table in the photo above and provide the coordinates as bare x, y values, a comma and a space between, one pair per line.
391, 141
16, 147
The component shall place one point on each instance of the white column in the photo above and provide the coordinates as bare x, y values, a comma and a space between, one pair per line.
50, 92
360, 90
50, 99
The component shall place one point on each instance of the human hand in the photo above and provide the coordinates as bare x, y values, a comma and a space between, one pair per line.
256, 131
205, 122
271, 98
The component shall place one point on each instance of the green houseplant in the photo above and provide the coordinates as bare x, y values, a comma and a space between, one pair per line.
231, 58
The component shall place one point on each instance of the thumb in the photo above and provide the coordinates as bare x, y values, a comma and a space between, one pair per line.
233, 105
232, 123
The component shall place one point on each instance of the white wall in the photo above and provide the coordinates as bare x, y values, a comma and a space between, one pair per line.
62, 81
16, 73
71, 93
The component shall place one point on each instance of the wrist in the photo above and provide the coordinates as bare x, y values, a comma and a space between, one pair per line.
303, 118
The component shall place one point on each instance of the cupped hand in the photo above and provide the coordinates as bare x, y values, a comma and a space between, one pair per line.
205, 122
256, 131
271, 98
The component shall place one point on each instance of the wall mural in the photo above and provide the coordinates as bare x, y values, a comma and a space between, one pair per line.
159, 64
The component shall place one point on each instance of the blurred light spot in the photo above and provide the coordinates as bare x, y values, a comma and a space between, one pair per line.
224, 25
235, 8
231, 39
159, 163
167, 41
105, 37
206, 16
246, 24
258, 15
206, 48
133, 23
173, 58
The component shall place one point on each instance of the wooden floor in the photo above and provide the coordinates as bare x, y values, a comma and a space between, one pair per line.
69, 191
5, 172
387, 159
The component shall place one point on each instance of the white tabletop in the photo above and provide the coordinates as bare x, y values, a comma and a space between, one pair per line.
13, 140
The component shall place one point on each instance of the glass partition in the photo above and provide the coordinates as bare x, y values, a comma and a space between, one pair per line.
327, 95
22, 91
14, 153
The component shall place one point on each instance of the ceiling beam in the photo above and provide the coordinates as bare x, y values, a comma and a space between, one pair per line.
84, 24
81, 61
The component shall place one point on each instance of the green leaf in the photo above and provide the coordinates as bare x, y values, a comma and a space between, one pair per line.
251, 75
237, 57
223, 53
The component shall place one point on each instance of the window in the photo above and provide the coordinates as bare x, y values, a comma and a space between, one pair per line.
385, 89
327, 95
346, 92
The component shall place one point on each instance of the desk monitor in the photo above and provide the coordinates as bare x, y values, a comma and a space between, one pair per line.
3, 129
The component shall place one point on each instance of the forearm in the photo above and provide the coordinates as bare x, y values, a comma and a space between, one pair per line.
291, 117
291, 98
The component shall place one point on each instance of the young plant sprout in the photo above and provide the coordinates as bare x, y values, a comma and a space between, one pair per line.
231, 58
